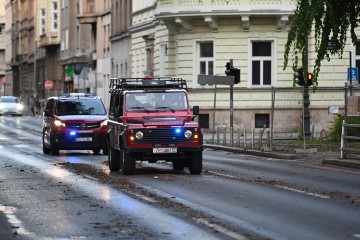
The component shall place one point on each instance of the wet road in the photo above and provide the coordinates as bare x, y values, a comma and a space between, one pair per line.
73, 196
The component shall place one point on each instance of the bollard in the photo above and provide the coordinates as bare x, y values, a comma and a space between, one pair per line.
245, 145
218, 136
260, 138
224, 139
268, 138
252, 138
238, 137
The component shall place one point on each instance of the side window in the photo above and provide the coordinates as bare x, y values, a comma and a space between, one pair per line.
261, 62
50, 106
206, 58
357, 55
115, 102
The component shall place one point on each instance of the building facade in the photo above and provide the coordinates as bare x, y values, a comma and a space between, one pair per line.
2, 49
189, 38
78, 45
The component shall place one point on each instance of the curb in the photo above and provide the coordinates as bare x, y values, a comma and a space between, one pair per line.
342, 162
337, 162
252, 152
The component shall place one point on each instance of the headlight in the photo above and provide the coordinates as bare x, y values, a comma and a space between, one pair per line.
139, 135
188, 134
103, 123
20, 107
59, 123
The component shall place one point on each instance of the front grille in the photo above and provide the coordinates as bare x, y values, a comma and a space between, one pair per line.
82, 126
163, 136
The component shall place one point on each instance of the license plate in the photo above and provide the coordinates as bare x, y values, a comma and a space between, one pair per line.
165, 150
84, 139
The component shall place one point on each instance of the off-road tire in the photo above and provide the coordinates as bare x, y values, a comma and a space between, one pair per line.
128, 163
114, 159
196, 163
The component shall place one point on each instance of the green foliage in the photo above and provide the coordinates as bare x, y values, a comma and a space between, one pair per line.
328, 19
335, 131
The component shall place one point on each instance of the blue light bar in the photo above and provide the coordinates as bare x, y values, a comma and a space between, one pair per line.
177, 130
72, 133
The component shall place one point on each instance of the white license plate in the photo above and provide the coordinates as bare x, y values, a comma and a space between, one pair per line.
165, 150
84, 139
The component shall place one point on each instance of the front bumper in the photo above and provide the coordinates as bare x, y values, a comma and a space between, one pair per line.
80, 141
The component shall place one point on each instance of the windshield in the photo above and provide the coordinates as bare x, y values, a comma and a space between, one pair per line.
154, 101
9, 100
80, 107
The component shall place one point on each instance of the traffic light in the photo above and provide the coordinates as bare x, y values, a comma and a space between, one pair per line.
310, 78
300, 77
231, 71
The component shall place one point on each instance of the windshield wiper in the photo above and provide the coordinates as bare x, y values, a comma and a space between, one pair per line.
140, 108
171, 109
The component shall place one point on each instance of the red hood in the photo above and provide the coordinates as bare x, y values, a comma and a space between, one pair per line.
159, 121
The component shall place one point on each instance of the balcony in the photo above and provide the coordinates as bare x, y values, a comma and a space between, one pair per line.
46, 40
88, 13
176, 14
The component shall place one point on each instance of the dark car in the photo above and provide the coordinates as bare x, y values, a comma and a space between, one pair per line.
75, 122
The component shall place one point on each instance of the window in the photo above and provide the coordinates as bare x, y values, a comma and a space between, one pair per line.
54, 17
261, 63
357, 55
262, 120
206, 58
42, 21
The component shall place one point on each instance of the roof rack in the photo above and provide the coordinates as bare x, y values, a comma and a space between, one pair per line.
78, 95
121, 84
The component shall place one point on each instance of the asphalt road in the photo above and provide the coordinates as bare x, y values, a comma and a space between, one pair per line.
238, 196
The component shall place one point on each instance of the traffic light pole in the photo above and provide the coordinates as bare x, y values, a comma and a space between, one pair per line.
306, 99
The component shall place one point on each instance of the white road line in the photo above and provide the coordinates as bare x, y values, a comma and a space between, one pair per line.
220, 229
278, 186
304, 192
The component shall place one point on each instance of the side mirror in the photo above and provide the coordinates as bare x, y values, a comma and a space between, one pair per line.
196, 111
47, 113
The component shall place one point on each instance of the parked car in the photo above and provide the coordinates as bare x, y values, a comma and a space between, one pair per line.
74, 122
11, 105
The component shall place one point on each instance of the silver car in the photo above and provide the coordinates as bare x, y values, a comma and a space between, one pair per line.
11, 105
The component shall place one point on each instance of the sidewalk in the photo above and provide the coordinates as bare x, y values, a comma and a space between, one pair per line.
332, 160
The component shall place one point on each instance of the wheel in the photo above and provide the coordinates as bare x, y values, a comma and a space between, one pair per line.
54, 151
46, 150
114, 159
195, 166
96, 151
128, 163
178, 165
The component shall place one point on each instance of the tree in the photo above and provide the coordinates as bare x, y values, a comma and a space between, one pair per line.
330, 20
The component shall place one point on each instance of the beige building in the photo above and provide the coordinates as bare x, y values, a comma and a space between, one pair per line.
187, 38
96, 15
2, 49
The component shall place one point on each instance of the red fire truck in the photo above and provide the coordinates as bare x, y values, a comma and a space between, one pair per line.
151, 120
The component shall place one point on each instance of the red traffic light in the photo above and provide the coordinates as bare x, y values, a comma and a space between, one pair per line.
310, 77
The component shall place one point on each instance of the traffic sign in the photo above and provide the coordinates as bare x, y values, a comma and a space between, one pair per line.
354, 75
48, 84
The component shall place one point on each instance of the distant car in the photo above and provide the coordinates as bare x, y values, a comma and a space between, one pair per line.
74, 122
11, 105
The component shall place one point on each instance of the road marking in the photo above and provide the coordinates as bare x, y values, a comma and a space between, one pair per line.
356, 235
278, 186
224, 175
304, 192
220, 229
21, 146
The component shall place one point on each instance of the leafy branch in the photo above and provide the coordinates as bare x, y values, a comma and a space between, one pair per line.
330, 20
